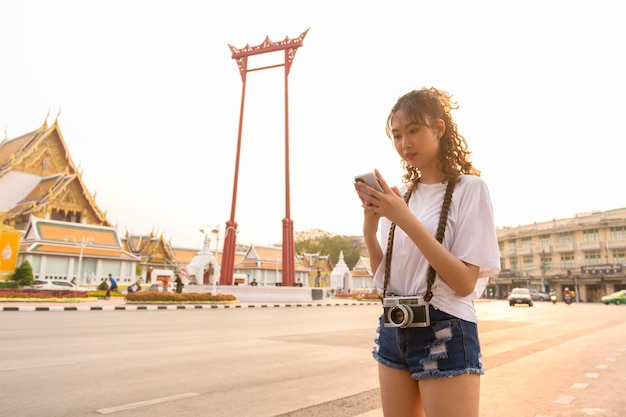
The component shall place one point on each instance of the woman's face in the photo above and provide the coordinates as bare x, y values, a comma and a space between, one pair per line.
417, 144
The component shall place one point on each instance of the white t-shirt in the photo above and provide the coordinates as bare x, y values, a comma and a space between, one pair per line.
470, 235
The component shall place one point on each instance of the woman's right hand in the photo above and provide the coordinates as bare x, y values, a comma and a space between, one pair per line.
370, 217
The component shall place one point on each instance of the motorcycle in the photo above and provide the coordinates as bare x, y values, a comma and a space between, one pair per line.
553, 298
568, 299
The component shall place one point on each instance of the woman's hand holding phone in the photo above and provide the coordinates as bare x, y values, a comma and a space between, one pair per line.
369, 178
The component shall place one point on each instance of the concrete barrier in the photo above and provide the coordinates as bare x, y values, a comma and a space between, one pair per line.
254, 293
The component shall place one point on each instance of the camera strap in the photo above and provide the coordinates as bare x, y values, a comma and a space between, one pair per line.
441, 228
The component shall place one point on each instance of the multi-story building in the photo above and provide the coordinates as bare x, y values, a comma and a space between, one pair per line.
585, 253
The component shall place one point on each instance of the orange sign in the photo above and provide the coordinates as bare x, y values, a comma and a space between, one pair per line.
9, 250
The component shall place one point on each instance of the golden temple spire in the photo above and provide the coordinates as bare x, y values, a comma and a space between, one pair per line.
45, 122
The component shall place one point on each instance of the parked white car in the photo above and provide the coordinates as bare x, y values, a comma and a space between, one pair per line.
41, 284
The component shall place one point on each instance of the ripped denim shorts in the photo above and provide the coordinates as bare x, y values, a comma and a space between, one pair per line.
449, 347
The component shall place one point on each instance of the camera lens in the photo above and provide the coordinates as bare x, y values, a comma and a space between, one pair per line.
400, 316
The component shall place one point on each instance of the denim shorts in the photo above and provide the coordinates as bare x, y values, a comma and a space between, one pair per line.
449, 347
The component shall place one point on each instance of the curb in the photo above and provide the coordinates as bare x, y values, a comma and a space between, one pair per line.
177, 306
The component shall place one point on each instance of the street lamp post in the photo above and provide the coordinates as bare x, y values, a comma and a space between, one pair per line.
216, 232
85, 240
543, 270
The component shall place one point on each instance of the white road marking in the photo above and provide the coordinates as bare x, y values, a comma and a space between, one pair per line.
593, 411
43, 365
592, 375
602, 366
580, 385
564, 399
140, 404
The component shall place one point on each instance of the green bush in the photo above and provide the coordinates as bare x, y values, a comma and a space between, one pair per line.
23, 274
104, 285
167, 297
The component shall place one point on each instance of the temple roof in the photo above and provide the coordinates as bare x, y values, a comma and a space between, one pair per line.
38, 176
315, 261
362, 268
266, 257
63, 238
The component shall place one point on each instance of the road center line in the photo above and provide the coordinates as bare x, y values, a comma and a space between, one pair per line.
140, 404
43, 365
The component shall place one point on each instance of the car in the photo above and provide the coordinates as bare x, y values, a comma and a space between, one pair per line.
41, 284
539, 295
156, 287
617, 298
520, 296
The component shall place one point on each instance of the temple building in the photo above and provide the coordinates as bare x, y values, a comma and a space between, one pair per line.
65, 233
362, 276
263, 265
320, 267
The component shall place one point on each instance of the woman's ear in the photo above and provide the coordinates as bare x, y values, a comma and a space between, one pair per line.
441, 128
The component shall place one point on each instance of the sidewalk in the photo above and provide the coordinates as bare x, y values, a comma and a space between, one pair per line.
119, 303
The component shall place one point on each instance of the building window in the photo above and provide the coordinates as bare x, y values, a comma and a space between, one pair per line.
566, 238
544, 240
591, 235
514, 266
592, 259
619, 258
618, 233
528, 264
567, 262
526, 241
546, 263
512, 244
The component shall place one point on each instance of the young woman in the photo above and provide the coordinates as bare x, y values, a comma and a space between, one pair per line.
430, 363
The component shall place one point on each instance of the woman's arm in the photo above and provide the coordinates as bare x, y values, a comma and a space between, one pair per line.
370, 230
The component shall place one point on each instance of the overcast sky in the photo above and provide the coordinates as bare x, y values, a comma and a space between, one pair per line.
148, 98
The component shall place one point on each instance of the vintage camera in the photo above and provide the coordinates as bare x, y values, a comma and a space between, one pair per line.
410, 311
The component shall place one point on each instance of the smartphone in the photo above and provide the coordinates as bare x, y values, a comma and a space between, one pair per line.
369, 178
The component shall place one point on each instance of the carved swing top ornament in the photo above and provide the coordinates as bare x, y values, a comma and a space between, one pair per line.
289, 45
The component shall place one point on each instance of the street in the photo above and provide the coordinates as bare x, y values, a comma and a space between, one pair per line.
296, 361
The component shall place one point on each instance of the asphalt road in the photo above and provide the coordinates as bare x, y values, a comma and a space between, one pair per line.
297, 361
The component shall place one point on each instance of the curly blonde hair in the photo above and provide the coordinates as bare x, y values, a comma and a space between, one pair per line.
425, 107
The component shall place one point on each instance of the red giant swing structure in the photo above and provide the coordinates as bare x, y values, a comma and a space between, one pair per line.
289, 46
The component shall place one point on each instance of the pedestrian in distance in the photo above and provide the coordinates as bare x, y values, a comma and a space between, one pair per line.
436, 250
179, 284
112, 286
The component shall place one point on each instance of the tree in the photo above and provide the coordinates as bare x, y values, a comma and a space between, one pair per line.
23, 274
325, 243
